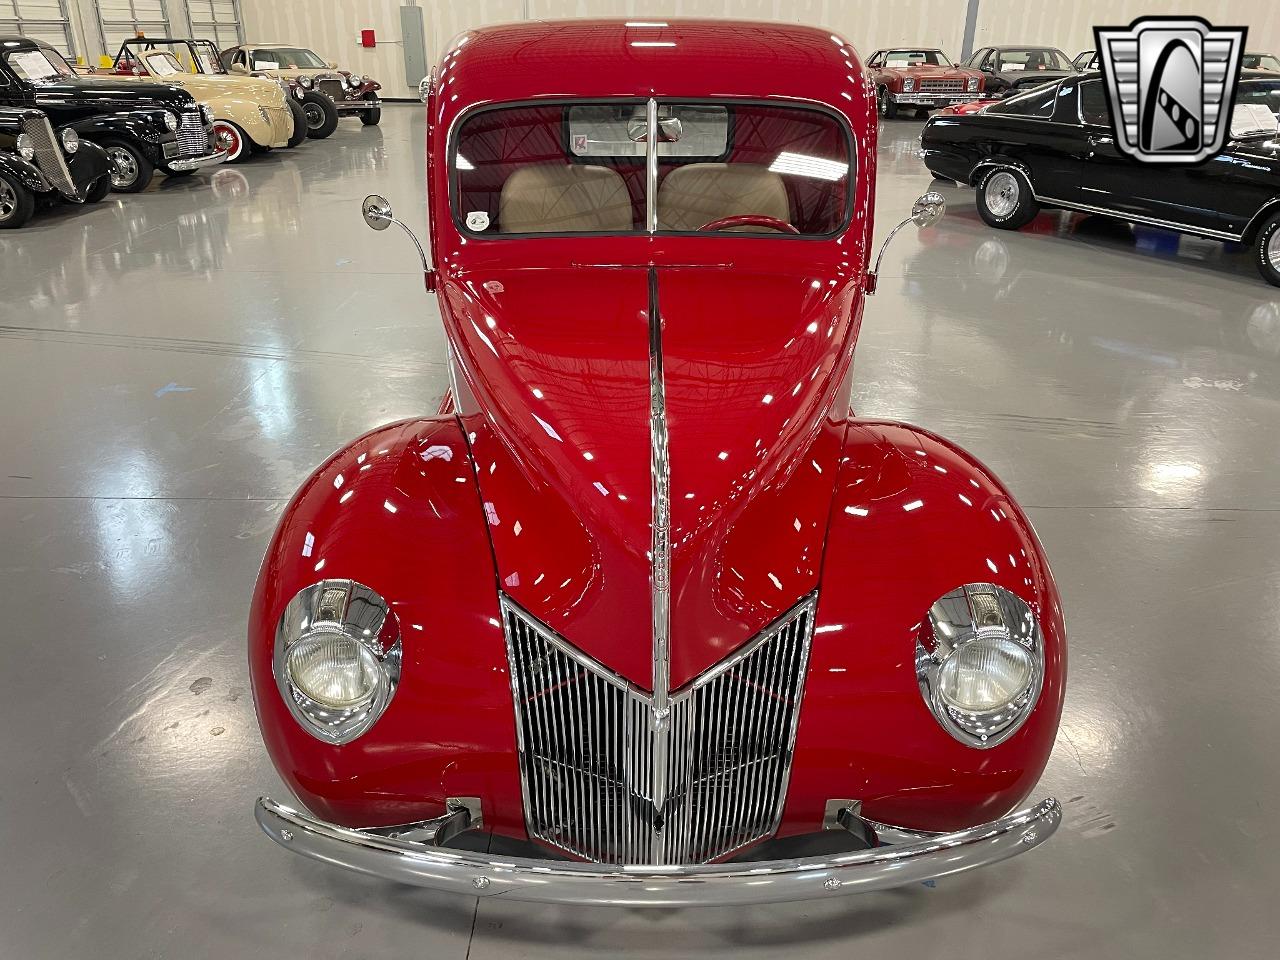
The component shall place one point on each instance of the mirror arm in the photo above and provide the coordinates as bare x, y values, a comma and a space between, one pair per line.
874, 275
429, 275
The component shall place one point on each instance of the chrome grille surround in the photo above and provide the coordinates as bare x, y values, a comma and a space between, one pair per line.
942, 86
49, 157
193, 138
589, 750
333, 89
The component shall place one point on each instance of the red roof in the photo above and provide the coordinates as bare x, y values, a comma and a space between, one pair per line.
649, 57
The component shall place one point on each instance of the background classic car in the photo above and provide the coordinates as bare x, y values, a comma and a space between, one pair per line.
250, 114
922, 78
38, 165
141, 125
684, 583
1007, 70
1054, 146
327, 91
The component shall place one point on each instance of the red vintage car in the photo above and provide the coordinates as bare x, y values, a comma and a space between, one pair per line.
644, 600
920, 78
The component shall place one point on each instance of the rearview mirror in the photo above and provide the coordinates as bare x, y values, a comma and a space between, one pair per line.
377, 214
928, 209
669, 129
925, 212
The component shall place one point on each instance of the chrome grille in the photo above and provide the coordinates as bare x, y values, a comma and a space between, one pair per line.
601, 783
49, 157
333, 89
942, 86
193, 138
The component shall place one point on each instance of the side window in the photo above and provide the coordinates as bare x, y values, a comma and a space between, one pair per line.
1037, 103
1094, 108
877, 58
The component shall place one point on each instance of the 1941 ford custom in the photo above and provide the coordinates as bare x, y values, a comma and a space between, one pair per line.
644, 606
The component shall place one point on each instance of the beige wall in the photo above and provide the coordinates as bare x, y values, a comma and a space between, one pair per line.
1069, 24
332, 27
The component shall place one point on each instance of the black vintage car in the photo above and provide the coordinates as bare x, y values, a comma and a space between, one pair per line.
38, 165
1054, 147
141, 125
1009, 70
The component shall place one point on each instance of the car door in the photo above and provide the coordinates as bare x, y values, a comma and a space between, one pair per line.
1215, 196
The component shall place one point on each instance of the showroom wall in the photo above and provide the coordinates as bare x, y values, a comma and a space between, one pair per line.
332, 27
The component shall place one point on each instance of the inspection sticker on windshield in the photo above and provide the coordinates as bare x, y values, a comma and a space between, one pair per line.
477, 221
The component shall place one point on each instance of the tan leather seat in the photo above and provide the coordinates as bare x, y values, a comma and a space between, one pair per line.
698, 193
564, 198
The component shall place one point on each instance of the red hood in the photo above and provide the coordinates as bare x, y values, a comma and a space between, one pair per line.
556, 373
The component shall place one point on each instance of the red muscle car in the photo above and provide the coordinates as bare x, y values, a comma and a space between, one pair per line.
644, 600
921, 78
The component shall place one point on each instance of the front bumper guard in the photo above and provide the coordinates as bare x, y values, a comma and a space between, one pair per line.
903, 857
349, 106
929, 99
195, 163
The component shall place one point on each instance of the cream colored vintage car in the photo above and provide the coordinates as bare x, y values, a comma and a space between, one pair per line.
250, 114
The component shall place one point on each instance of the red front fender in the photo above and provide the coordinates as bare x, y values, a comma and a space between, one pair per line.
913, 518
398, 511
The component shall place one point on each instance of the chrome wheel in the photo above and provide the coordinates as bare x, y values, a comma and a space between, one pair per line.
227, 138
8, 200
315, 116
1272, 252
1002, 194
124, 167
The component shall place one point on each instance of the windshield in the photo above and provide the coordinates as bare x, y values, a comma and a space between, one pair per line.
1031, 58
1257, 108
1260, 61
38, 66
581, 168
287, 58
896, 59
163, 64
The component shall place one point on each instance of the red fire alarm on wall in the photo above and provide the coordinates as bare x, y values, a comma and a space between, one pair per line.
367, 39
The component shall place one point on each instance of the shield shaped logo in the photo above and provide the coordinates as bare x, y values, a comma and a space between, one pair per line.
1171, 82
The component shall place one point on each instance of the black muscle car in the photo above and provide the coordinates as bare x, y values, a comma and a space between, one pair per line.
39, 166
1054, 147
141, 125
1009, 70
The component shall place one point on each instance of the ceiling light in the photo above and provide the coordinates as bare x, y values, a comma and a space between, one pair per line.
802, 165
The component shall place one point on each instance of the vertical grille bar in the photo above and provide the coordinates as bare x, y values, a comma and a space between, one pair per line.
587, 757
49, 156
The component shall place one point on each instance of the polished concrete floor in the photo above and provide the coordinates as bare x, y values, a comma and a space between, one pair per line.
173, 365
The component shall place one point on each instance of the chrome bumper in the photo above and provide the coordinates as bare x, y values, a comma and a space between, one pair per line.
934, 99
911, 858
348, 105
195, 163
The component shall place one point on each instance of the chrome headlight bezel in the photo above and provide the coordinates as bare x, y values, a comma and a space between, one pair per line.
973, 85
354, 82
908, 84
347, 610
987, 614
206, 114
306, 83
171, 120
70, 140
26, 147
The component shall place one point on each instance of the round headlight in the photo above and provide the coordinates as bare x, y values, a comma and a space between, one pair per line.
206, 114
299, 92
305, 82
26, 149
171, 120
353, 81
980, 663
333, 670
337, 659
70, 140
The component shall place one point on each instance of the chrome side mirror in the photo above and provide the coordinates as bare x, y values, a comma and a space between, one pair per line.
925, 212
378, 215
